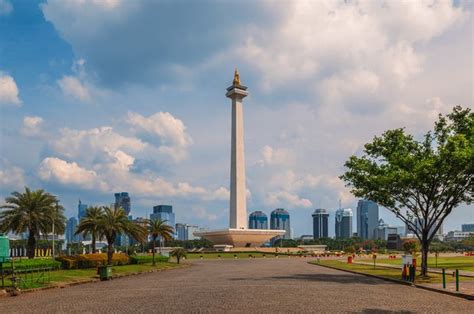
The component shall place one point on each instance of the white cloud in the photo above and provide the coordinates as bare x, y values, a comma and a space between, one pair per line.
170, 130
5, 7
287, 199
274, 156
72, 86
201, 213
55, 169
8, 90
32, 126
11, 176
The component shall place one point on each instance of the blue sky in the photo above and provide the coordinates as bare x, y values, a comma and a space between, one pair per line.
98, 97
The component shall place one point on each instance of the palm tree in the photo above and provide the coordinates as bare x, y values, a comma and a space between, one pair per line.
159, 228
113, 222
89, 224
178, 253
34, 212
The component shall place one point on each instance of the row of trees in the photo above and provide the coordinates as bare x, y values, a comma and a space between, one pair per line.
39, 213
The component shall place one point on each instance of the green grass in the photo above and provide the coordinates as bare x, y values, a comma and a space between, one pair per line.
143, 259
452, 263
25, 263
59, 277
386, 272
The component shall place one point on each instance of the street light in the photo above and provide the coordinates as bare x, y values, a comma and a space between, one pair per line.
52, 218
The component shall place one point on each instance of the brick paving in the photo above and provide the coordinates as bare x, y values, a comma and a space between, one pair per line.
256, 285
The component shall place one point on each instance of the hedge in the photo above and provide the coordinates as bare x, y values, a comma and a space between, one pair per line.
144, 259
91, 260
27, 264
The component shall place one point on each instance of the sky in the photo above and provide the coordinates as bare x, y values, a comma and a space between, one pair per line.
104, 96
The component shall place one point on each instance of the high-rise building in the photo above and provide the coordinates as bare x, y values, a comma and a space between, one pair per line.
81, 210
258, 220
320, 223
367, 218
419, 223
71, 227
383, 231
190, 229
123, 200
343, 223
181, 232
164, 212
467, 227
280, 220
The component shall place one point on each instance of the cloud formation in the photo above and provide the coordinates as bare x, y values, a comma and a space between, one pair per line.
9, 94
32, 126
5, 7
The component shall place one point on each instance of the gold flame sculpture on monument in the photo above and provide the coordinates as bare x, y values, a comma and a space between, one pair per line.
238, 234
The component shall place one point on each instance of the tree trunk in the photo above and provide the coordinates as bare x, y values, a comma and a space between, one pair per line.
93, 243
424, 257
110, 253
154, 244
31, 245
177, 257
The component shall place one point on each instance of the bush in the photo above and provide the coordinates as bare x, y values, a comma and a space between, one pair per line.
91, 260
145, 259
26, 264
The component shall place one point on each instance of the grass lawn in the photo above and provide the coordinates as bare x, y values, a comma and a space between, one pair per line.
386, 272
452, 263
59, 277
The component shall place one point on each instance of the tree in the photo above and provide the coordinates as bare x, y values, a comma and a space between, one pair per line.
159, 228
178, 253
113, 222
33, 212
411, 246
420, 181
89, 224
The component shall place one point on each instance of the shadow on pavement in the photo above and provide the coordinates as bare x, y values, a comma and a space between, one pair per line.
380, 311
343, 278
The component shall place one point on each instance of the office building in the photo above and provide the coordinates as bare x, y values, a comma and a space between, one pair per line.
467, 227
367, 219
383, 231
164, 212
458, 235
419, 222
343, 223
81, 210
258, 220
320, 223
71, 226
280, 220
181, 233
190, 229
122, 200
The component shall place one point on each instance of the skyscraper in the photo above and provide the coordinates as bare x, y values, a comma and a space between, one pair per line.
164, 212
180, 231
123, 200
71, 226
343, 223
467, 227
383, 231
367, 218
81, 210
280, 220
258, 220
320, 223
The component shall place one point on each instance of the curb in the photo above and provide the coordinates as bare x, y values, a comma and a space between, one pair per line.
451, 293
96, 280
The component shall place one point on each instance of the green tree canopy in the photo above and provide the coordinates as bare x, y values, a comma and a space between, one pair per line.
33, 212
90, 223
420, 181
159, 228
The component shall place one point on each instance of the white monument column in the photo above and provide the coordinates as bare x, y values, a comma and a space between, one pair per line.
238, 202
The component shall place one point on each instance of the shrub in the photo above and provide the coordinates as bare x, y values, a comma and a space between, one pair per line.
91, 260
144, 259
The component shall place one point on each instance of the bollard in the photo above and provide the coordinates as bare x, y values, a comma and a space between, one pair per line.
444, 278
457, 280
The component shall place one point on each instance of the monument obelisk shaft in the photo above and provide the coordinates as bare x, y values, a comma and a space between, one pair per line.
238, 202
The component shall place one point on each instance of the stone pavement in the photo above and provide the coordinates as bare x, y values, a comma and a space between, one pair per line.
243, 285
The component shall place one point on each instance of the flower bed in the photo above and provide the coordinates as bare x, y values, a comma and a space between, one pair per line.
91, 260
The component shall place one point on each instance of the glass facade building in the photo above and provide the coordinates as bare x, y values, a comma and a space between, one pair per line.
280, 220
122, 200
164, 212
258, 220
71, 226
467, 228
320, 223
367, 219
343, 223
81, 210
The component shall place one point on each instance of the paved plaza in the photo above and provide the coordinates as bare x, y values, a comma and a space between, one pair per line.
245, 285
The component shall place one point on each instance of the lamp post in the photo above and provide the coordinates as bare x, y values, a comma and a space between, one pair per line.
57, 208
